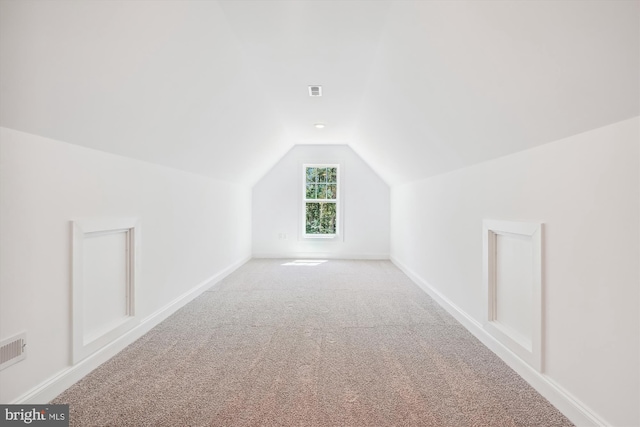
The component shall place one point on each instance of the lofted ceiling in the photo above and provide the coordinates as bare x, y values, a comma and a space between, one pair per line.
219, 88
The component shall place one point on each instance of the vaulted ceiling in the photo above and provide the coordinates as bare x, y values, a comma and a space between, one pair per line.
219, 88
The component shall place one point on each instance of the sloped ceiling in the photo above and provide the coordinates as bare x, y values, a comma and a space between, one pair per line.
417, 88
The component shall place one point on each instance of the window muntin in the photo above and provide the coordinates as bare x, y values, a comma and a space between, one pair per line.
320, 194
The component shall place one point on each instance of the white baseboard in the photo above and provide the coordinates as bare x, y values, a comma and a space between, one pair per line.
52, 387
320, 255
569, 405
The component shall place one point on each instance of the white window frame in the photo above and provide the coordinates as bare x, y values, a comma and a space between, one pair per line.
304, 199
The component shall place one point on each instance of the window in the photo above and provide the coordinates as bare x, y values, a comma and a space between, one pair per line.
321, 198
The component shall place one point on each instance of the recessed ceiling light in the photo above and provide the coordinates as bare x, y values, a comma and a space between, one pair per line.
319, 125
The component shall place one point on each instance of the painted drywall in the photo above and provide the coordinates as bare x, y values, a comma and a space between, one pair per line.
277, 208
585, 189
192, 228
152, 80
416, 87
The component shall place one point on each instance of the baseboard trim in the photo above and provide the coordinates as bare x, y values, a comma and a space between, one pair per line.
52, 387
312, 255
579, 413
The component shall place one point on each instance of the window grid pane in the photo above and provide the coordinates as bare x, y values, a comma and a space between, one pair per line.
311, 191
333, 175
331, 191
321, 218
312, 175
322, 175
322, 191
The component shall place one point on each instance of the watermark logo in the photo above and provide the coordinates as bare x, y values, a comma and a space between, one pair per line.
34, 415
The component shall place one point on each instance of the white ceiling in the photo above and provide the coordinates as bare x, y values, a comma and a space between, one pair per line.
417, 88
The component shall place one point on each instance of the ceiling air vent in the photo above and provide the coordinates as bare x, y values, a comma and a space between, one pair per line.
315, 90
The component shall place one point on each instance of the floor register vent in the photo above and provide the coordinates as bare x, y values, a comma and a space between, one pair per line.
13, 350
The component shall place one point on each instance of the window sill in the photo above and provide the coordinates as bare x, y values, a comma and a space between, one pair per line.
320, 236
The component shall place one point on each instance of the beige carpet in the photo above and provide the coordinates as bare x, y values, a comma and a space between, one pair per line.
341, 343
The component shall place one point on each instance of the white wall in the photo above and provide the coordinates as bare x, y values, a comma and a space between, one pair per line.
277, 204
193, 228
585, 189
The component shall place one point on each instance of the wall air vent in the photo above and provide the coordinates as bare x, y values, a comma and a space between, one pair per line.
315, 90
13, 350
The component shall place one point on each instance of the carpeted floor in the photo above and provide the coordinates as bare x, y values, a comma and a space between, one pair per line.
341, 343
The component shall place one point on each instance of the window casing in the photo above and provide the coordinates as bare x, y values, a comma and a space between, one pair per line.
321, 200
